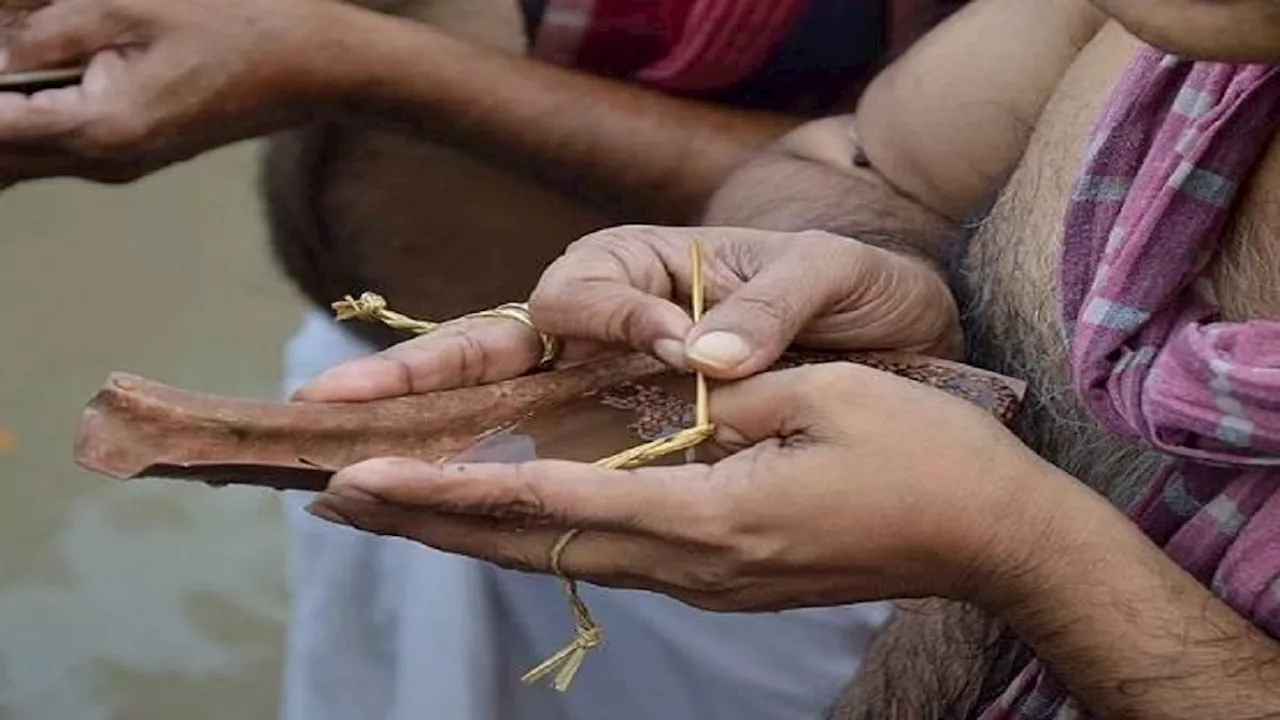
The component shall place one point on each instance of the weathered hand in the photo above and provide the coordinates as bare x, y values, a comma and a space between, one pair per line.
164, 81
625, 287
843, 484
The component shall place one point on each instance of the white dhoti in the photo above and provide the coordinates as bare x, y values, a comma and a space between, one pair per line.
386, 629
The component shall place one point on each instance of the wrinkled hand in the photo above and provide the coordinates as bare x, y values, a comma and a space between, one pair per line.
845, 484
627, 288
165, 80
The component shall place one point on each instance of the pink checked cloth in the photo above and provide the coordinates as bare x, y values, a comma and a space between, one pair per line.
1150, 356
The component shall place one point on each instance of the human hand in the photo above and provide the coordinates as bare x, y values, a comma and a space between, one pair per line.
164, 81
843, 484
625, 287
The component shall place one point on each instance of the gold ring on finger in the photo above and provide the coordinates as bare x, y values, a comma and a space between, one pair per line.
519, 311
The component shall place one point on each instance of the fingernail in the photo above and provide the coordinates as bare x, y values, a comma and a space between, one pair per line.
670, 352
324, 512
720, 350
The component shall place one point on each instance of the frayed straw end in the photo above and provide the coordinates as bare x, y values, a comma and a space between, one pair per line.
372, 307
566, 663
368, 307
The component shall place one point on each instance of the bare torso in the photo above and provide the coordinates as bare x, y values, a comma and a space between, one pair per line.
938, 657
1010, 266
1012, 261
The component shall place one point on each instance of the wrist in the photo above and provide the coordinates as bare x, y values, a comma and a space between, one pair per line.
1054, 534
380, 60
344, 51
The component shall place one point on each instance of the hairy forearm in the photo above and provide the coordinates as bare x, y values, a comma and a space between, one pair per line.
810, 181
649, 157
1131, 633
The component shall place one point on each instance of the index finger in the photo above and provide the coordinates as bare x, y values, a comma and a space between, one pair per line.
47, 116
659, 501
617, 287
464, 353
66, 32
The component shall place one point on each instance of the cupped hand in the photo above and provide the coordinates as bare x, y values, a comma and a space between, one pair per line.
628, 287
842, 484
164, 81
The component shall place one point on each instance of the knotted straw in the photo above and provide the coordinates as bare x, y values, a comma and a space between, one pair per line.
372, 307
588, 635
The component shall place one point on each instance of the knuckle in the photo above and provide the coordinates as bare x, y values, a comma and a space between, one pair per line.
522, 498
747, 255
618, 318
632, 251
621, 235
628, 247
470, 358
545, 302
403, 370
593, 240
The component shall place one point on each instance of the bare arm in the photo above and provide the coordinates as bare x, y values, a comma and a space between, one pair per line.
616, 142
246, 67
933, 135
809, 181
1131, 633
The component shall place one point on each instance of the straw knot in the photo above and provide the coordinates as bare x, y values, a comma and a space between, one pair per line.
368, 307
372, 307
589, 638
564, 665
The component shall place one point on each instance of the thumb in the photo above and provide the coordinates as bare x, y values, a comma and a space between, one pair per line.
749, 330
64, 34
783, 404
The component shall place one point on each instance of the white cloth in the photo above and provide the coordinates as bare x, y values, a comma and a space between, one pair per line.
384, 629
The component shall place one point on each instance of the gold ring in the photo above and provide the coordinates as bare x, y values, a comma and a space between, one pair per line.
519, 311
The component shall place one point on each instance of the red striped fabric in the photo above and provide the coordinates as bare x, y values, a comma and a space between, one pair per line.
673, 45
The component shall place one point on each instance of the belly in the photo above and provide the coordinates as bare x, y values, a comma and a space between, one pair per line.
1010, 263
